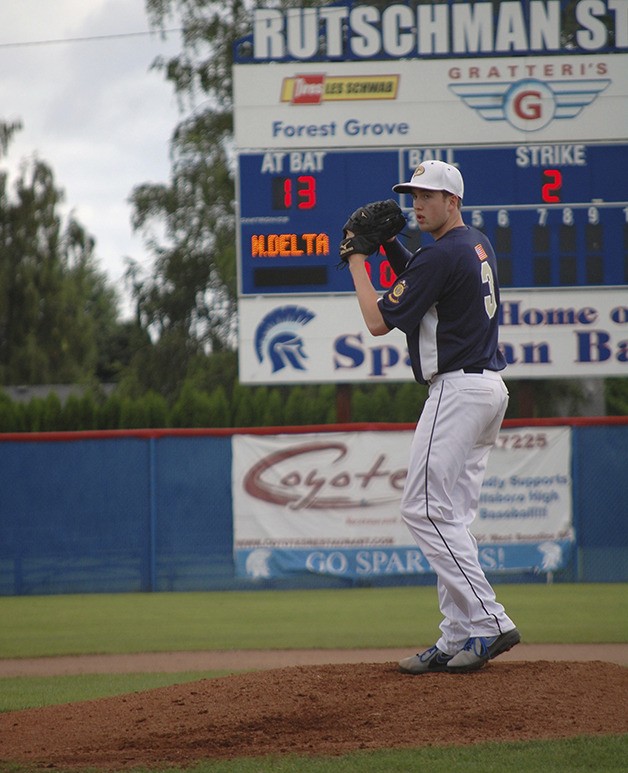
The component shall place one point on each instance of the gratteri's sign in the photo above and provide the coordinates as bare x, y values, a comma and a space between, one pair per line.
344, 31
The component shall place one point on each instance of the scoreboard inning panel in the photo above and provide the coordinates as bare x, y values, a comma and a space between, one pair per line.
557, 215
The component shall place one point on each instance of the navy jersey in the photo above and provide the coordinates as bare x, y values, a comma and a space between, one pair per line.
446, 301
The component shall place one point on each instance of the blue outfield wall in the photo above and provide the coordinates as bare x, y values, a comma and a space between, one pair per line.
152, 511
600, 502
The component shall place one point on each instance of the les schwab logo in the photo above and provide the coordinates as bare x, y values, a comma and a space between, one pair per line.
313, 89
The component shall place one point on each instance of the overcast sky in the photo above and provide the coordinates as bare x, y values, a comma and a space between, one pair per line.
93, 110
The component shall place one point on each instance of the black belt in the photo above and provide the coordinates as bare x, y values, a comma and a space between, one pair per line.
473, 370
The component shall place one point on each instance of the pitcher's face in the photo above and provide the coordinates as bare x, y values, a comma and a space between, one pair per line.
435, 211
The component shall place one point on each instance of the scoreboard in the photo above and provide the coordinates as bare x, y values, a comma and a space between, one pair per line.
557, 214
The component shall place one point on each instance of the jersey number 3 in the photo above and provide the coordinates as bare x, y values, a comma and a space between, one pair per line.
490, 302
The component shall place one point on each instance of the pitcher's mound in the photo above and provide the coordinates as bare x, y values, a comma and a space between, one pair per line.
322, 709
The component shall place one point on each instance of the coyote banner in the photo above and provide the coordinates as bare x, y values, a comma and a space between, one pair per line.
328, 503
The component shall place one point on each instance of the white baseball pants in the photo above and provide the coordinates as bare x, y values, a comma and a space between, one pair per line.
448, 457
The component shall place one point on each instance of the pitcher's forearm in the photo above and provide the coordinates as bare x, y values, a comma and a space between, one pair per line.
367, 297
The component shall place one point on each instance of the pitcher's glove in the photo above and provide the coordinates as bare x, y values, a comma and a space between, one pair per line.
369, 226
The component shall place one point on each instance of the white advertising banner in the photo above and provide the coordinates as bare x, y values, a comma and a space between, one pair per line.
328, 503
430, 101
565, 333
314, 339
570, 333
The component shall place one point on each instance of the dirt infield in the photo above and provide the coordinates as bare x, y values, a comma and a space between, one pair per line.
317, 702
246, 660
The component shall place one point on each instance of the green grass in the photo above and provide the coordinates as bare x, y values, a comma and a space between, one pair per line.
35, 626
34, 691
594, 755
605, 754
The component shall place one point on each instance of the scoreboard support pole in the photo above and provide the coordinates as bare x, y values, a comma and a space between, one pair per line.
343, 403
526, 400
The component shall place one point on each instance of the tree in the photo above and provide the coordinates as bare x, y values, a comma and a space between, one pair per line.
7, 130
42, 338
192, 409
616, 396
189, 224
57, 312
193, 283
408, 402
193, 286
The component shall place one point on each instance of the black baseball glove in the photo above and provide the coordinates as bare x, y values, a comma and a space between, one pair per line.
371, 225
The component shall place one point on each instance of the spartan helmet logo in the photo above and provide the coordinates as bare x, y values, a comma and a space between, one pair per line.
278, 337
552, 555
257, 563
